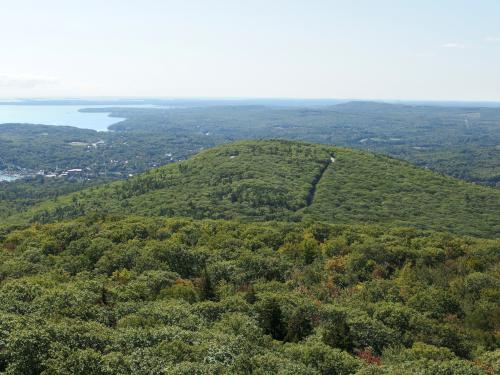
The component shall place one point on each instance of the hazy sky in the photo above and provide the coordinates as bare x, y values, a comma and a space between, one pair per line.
406, 49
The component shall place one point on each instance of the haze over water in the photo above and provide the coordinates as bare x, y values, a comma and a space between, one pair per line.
57, 115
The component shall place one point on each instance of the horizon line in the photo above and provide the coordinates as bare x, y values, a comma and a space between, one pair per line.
242, 98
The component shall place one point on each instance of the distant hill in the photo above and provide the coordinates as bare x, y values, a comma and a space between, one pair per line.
290, 181
367, 107
460, 141
366, 187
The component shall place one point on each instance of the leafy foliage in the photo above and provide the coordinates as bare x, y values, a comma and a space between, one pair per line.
283, 180
139, 295
461, 142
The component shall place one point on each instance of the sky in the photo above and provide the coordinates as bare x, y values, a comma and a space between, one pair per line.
406, 49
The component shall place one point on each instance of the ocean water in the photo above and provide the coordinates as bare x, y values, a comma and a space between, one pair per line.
58, 115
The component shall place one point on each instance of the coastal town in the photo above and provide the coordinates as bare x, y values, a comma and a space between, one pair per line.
115, 169
69, 173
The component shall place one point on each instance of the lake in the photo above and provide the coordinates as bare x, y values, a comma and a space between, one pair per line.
59, 115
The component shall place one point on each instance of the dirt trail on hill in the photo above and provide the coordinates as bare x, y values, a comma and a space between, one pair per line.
317, 179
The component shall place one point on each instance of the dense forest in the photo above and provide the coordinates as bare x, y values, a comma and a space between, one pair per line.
39, 153
182, 194
285, 180
150, 296
252, 257
21, 195
459, 141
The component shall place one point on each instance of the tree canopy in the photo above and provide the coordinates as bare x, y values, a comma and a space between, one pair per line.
139, 295
285, 180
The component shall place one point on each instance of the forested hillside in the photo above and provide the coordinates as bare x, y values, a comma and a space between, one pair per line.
20, 195
459, 141
284, 180
205, 207
370, 188
41, 154
154, 296
314, 266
